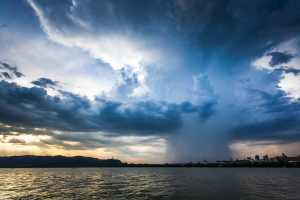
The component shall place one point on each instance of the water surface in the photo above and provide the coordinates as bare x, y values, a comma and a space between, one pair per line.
150, 183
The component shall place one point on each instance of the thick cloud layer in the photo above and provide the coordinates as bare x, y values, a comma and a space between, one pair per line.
280, 124
245, 29
201, 75
33, 107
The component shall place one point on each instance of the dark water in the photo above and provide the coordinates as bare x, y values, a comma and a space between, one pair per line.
149, 183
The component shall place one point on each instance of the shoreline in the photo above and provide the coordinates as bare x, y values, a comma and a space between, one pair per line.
30, 161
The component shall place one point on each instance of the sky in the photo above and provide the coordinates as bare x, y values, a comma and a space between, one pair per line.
150, 81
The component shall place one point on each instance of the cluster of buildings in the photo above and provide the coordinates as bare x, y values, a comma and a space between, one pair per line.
282, 158
265, 161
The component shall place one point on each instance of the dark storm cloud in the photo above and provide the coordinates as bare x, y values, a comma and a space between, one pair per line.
281, 121
279, 58
218, 38
215, 34
32, 107
204, 111
291, 70
285, 129
207, 110
277, 103
10, 71
243, 29
44, 82
288, 70
232, 29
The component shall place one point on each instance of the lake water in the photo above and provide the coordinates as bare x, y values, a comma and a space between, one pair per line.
150, 183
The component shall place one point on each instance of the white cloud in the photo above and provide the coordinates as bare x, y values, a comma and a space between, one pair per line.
38, 57
290, 83
117, 50
263, 63
290, 47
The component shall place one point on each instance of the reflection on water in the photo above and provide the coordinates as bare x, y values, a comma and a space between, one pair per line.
149, 183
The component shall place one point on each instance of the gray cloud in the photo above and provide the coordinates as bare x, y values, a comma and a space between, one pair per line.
9, 72
217, 27
129, 81
16, 141
217, 39
283, 130
32, 107
288, 70
280, 121
44, 82
279, 58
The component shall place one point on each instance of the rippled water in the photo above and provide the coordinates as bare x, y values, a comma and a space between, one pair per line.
149, 183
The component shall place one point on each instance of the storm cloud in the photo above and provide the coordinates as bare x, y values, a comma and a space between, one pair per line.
279, 58
33, 107
279, 122
198, 75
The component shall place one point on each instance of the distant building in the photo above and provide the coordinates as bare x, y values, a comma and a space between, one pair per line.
266, 157
294, 159
284, 157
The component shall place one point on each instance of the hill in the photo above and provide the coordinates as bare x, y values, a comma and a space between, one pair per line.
56, 161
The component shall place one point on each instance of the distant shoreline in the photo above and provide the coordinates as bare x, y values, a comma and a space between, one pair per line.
215, 167
30, 161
